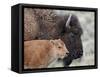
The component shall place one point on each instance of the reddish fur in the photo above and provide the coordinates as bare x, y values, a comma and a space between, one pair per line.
39, 53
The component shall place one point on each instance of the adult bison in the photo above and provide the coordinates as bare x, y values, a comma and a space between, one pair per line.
46, 24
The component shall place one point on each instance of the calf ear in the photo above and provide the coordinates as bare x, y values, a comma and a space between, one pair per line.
52, 41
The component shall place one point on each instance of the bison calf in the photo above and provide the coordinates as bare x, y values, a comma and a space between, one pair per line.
40, 53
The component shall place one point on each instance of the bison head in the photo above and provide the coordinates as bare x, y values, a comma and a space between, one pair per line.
72, 38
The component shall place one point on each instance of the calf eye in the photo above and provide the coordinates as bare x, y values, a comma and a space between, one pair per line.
59, 47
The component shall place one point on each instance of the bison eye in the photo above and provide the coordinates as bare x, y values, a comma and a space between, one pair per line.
77, 31
72, 35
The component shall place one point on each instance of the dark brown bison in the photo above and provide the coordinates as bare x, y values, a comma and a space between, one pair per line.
46, 24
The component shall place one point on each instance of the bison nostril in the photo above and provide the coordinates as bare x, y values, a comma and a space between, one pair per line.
81, 53
78, 54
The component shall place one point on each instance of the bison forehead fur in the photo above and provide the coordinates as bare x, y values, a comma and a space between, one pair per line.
46, 24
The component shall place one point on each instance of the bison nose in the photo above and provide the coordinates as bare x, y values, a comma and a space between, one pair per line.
80, 54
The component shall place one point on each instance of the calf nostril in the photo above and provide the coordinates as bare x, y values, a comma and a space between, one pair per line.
67, 53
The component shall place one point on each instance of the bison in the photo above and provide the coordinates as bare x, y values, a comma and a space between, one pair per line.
40, 53
46, 24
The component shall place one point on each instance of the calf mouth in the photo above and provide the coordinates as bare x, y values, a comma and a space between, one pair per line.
63, 56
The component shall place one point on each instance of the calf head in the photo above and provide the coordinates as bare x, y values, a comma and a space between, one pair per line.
59, 48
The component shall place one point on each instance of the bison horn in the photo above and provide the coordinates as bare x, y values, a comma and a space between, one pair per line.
68, 21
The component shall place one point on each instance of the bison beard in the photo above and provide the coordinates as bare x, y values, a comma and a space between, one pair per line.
52, 26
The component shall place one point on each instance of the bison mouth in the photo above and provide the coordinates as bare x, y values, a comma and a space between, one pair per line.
71, 56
